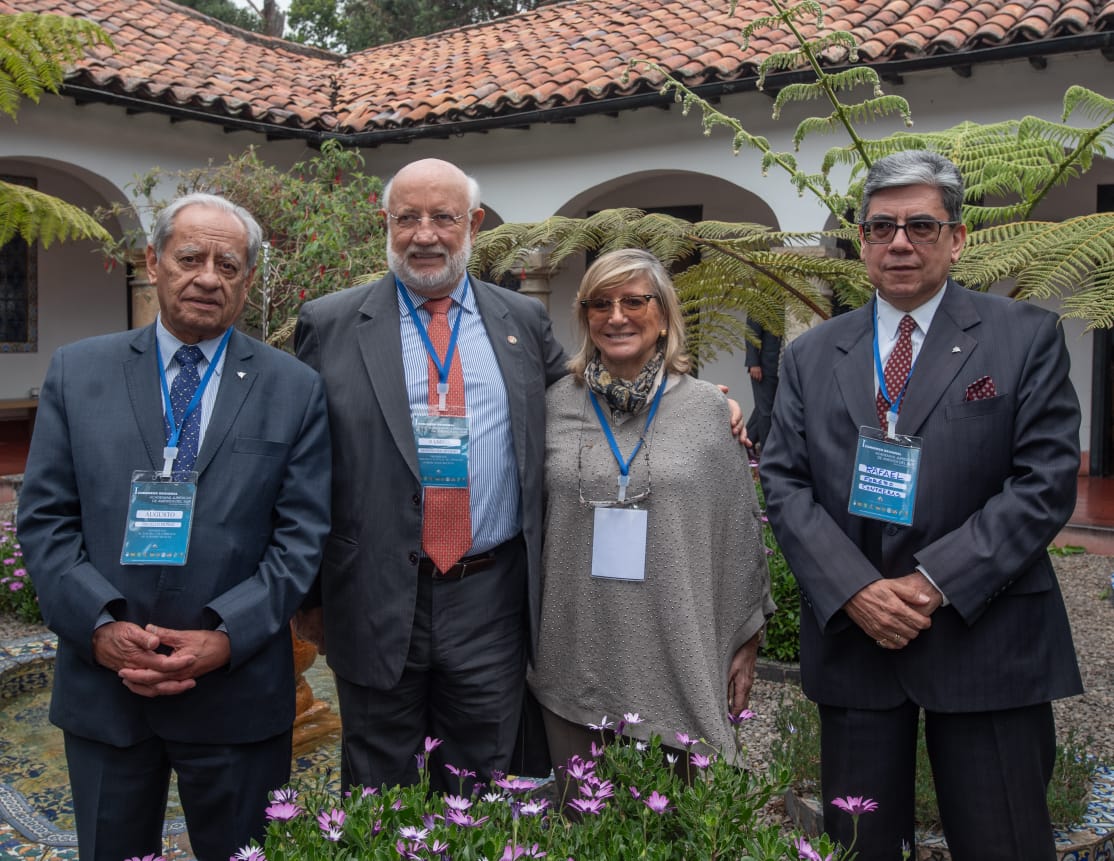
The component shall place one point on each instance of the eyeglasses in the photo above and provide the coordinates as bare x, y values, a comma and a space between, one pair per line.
633, 305
440, 221
919, 231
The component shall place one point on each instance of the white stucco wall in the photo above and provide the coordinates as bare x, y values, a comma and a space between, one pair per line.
645, 157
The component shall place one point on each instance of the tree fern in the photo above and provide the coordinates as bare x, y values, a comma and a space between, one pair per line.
34, 215
33, 51
1008, 167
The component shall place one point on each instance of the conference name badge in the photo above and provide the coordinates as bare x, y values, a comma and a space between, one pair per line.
442, 449
619, 543
160, 518
884, 486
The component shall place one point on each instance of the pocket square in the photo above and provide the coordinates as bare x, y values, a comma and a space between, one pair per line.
981, 389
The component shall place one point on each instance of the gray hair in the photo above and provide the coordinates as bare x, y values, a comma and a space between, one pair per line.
614, 269
916, 167
164, 221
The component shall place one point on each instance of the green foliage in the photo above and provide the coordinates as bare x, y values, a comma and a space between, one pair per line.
796, 750
33, 52
744, 269
1009, 168
227, 11
17, 593
715, 815
352, 25
1072, 777
37, 216
1066, 550
320, 219
783, 630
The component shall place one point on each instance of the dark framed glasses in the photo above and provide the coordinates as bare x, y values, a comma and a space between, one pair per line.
919, 231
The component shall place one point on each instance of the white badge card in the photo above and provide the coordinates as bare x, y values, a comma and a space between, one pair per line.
160, 518
884, 486
442, 449
619, 543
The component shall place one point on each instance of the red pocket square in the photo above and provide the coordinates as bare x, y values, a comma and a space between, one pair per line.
982, 388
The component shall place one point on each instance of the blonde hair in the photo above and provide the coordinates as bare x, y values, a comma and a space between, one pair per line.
614, 269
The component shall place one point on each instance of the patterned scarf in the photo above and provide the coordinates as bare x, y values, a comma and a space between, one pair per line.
623, 396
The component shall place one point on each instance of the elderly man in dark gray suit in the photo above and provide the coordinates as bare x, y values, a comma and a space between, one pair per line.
429, 586
174, 647
914, 499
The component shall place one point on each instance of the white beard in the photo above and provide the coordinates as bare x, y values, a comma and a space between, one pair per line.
431, 283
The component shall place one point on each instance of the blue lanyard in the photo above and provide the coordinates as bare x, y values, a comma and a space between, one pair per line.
624, 465
443, 368
171, 450
895, 405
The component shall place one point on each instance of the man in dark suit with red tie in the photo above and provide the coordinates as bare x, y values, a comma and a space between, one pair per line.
430, 586
926, 583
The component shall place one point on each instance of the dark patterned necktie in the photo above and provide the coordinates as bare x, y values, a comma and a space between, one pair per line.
447, 518
181, 393
897, 367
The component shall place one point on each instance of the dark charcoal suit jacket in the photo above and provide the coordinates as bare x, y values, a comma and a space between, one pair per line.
368, 577
997, 482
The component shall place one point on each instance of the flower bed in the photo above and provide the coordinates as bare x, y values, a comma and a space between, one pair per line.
630, 800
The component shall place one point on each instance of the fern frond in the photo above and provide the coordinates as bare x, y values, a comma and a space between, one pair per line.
37, 216
34, 50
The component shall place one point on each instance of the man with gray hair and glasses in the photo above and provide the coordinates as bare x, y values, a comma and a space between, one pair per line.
923, 455
173, 513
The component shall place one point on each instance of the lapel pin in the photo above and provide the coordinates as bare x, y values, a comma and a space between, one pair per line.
241, 374
956, 350
511, 339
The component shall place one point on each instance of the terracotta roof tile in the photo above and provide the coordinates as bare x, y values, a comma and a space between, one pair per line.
567, 53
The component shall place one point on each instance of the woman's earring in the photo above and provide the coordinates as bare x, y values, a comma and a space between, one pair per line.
663, 333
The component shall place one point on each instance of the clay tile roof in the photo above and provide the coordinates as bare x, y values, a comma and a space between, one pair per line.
567, 54
174, 56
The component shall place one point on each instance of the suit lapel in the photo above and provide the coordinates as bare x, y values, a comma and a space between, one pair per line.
854, 367
237, 378
141, 375
946, 349
380, 342
502, 332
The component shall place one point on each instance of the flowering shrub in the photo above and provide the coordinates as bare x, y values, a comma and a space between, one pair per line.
17, 595
627, 801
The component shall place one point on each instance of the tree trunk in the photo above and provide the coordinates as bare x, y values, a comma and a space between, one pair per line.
274, 20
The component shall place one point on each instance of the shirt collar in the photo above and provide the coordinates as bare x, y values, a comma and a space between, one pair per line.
889, 317
468, 303
168, 345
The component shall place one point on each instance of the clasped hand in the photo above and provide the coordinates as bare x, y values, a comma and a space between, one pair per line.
132, 652
894, 612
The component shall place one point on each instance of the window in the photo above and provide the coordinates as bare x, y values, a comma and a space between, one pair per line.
19, 299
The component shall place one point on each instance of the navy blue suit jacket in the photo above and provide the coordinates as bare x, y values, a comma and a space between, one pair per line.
261, 516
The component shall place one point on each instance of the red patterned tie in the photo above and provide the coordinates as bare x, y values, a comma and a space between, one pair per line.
897, 367
447, 520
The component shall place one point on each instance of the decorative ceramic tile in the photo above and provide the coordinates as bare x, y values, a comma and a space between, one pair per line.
36, 812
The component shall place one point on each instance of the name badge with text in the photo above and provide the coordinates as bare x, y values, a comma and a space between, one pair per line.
160, 518
884, 486
442, 449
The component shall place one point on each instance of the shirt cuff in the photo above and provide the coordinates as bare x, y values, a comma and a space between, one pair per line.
946, 602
